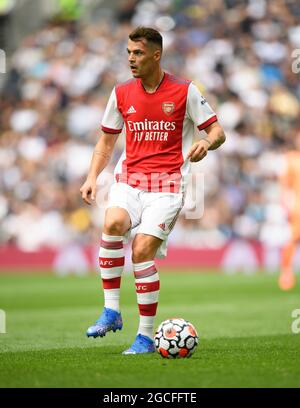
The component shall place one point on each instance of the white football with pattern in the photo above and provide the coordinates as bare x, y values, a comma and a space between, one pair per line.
176, 338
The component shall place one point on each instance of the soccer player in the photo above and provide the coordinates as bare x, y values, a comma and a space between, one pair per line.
159, 112
290, 181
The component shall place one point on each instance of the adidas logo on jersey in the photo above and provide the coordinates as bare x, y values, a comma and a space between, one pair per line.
131, 110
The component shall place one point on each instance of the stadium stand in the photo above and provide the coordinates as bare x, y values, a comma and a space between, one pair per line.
240, 55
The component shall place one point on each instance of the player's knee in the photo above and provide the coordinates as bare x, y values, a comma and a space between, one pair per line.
114, 226
140, 252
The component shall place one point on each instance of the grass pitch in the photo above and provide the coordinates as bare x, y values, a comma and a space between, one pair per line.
243, 322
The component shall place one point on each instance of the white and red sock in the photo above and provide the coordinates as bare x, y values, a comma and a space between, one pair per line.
111, 262
147, 290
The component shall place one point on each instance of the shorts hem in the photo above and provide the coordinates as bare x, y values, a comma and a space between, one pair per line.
156, 235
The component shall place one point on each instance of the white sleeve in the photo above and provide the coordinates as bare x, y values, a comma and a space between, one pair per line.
198, 109
112, 121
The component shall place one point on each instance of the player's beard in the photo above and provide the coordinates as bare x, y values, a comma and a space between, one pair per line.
135, 72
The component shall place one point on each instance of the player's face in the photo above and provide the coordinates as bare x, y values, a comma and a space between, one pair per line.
142, 58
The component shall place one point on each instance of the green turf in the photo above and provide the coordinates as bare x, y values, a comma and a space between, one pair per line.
244, 323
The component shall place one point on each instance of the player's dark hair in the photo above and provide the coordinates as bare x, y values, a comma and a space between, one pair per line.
151, 35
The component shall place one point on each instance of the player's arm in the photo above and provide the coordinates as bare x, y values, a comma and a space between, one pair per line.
214, 139
215, 136
101, 156
112, 124
202, 115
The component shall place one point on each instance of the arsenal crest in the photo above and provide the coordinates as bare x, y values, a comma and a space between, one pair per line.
168, 108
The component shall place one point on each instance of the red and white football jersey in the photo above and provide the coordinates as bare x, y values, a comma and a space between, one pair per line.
159, 131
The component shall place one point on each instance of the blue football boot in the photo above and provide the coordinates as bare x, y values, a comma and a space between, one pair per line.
142, 344
109, 320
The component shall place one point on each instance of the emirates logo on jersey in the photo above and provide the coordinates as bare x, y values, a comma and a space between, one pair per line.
168, 108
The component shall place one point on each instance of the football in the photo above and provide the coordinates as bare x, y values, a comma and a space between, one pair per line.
176, 338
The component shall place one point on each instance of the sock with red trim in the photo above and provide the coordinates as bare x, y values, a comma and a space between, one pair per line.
147, 290
111, 262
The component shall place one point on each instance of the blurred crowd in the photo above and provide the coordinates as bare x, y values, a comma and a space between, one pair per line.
239, 53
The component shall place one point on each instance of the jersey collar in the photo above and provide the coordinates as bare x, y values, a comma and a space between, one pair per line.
163, 80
